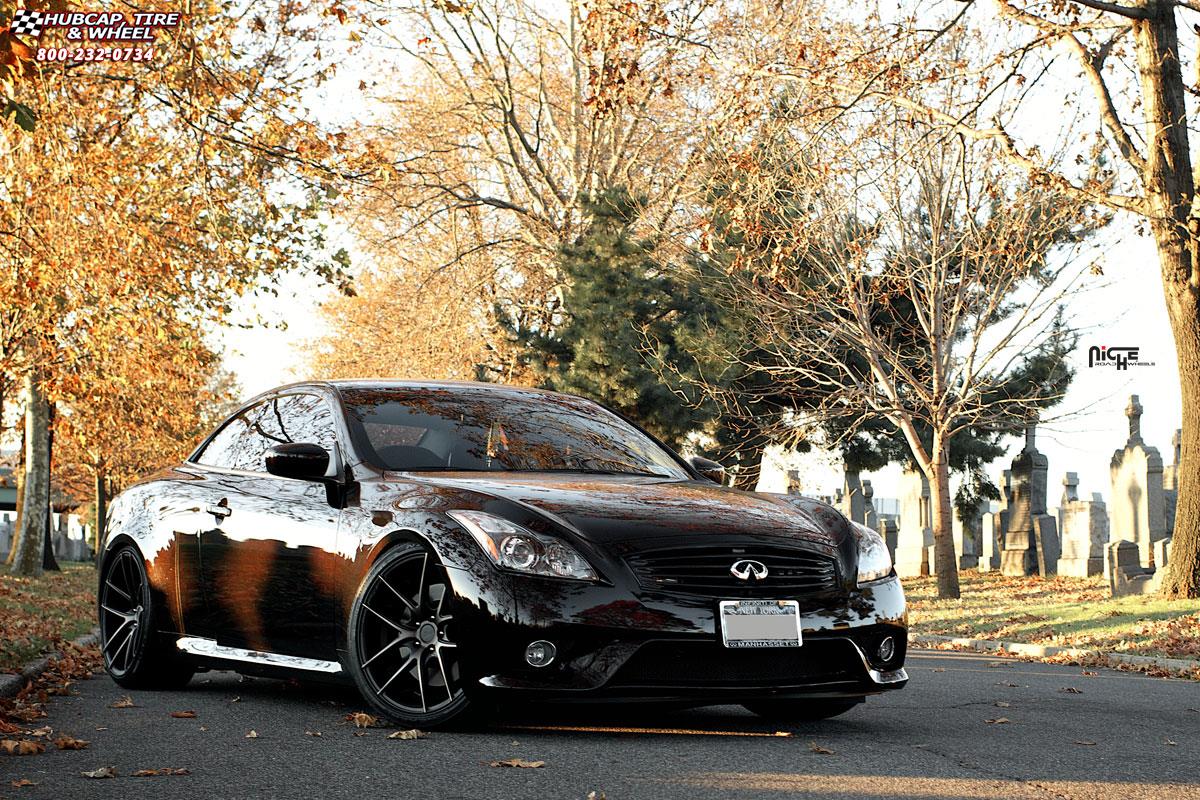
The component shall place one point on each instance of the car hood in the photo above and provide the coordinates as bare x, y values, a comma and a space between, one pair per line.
604, 508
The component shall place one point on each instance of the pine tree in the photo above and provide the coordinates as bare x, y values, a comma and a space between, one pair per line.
617, 339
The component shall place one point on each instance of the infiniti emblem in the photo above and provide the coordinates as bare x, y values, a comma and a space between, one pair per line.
748, 570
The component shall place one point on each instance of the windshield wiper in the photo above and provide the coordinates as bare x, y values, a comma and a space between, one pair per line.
584, 471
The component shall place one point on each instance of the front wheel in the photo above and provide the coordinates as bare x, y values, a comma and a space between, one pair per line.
801, 710
134, 654
402, 648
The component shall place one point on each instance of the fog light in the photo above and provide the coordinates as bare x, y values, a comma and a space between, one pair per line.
539, 653
887, 648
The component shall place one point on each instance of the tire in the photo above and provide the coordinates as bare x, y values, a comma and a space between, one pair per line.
800, 710
135, 654
401, 648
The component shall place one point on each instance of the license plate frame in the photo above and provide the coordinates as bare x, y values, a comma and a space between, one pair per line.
770, 624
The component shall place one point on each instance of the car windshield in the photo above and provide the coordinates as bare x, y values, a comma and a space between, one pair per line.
463, 428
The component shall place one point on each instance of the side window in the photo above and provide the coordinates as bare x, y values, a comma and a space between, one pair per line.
299, 418
237, 444
243, 442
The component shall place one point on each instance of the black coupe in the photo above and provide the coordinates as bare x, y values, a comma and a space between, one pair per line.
445, 543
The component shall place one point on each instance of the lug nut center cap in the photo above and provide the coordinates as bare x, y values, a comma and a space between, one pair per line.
427, 633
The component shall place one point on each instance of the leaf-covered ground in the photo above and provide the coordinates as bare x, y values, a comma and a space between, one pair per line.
1059, 611
37, 613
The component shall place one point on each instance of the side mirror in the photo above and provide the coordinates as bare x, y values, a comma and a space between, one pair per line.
301, 460
708, 468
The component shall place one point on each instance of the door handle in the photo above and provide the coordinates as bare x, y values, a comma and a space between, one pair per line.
219, 511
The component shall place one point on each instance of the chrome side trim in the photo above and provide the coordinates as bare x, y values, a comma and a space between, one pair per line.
881, 678
210, 649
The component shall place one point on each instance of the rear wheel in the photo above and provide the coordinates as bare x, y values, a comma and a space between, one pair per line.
403, 652
134, 654
800, 710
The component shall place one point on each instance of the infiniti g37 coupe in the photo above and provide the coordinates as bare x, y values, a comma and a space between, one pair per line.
443, 544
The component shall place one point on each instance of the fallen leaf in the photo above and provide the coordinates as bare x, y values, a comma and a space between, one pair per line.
15, 747
20, 782
1090, 673
102, 772
816, 748
124, 702
412, 734
1070, 690
101, 727
361, 733
938, 669
1009, 685
252, 735
1170, 742
183, 714
45, 730
150, 773
237, 699
1001, 704
997, 721
517, 762
361, 719
1085, 742
69, 743
312, 733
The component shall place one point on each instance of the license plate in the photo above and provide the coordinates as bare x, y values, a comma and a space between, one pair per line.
760, 623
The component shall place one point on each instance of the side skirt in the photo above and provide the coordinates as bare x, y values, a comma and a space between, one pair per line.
208, 648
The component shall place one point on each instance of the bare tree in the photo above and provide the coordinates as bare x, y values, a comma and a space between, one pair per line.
1135, 159
913, 281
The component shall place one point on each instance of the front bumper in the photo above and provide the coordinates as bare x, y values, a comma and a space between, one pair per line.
621, 642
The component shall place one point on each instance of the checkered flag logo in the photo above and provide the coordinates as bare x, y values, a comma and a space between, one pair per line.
27, 23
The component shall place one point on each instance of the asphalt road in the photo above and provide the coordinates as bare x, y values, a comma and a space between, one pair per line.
1121, 736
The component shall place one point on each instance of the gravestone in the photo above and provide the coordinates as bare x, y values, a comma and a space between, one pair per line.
1171, 483
966, 537
6, 537
1031, 535
1084, 527
1137, 508
869, 513
852, 503
915, 535
1126, 576
889, 530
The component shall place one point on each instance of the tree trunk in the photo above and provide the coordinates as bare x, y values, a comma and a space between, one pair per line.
1183, 570
1170, 193
31, 533
945, 563
49, 561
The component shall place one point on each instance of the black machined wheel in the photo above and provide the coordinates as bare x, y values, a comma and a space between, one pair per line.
133, 655
124, 606
404, 655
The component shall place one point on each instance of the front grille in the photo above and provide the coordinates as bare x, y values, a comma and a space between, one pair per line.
665, 663
705, 570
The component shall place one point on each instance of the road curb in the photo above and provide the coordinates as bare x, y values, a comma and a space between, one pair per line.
1046, 651
11, 683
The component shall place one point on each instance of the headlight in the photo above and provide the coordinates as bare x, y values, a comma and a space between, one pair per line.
512, 547
874, 561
